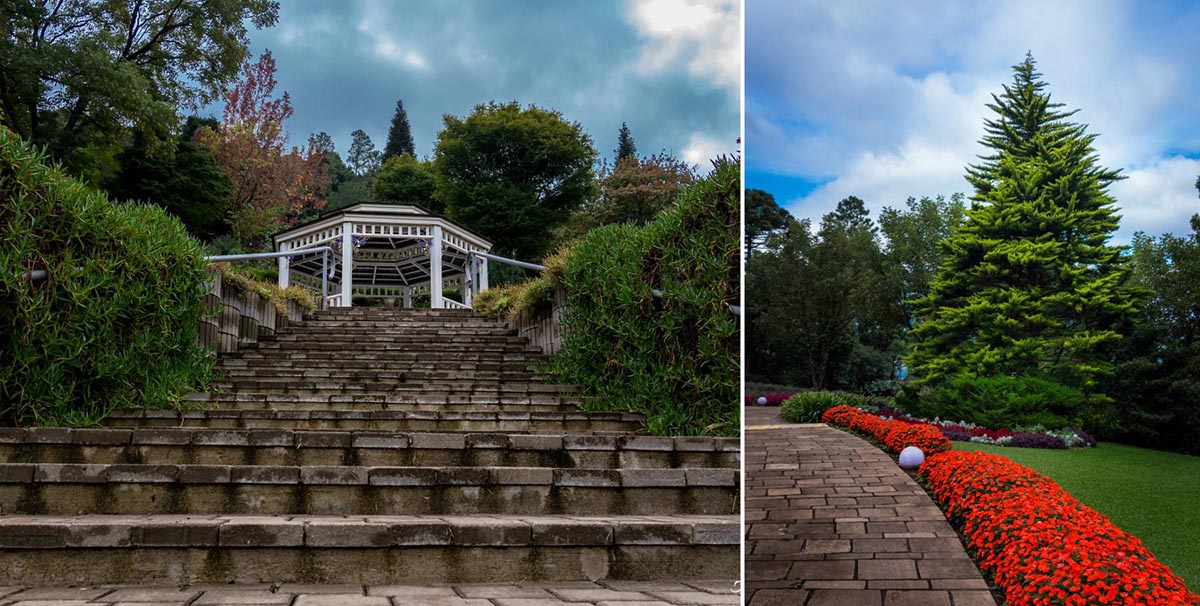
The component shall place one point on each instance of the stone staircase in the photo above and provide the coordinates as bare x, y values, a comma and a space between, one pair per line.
369, 446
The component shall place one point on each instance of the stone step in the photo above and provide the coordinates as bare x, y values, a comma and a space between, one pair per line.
376, 339
176, 446
75, 489
253, 401
411, 550
443, 351
410, 375
376, 323
394, 357
397, 394
402, 384
521, 422
257, 362
360, 331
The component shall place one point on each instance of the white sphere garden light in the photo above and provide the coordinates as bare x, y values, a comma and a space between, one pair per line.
911, 458
761, 401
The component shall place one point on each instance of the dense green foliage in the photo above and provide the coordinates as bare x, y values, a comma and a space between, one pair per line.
674, 358
808, 406
634, 190
1029, 284
400, 140
1157, 379
1000, 401
1148, 493
763, 217
513, 174
407, 180
77, 77
116, 322
186, 180
826, 309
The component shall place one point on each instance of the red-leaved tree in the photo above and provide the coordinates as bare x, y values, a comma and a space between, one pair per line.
273, 184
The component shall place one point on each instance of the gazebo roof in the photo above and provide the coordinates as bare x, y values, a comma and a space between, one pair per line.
378, 212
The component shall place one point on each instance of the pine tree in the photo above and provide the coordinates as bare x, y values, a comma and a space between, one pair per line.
626, 148
400, 139
1029, 286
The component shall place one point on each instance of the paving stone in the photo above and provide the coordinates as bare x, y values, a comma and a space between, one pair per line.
151, 594
237, 596
845, 597
340, 600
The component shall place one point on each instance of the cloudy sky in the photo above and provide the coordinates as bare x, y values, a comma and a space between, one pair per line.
885, 100
670, 68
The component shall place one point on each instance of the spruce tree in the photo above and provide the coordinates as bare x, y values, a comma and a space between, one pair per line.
626, 148
1029, 285
399, 139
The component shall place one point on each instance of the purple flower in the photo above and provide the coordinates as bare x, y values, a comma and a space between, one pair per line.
1036, 440
957, 436
1083, 435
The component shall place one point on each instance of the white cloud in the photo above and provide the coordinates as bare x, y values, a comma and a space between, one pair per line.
384, 45
703, 34
702, 148
887, 100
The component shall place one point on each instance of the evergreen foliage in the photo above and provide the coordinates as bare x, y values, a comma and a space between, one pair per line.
363, 158
674, 358
400, 140
115, 323
1029, 284
626, 148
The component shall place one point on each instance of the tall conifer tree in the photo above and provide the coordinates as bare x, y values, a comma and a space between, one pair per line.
400, 140
626, 148
1030, 285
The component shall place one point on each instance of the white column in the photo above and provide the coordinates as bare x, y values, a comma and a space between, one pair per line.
435, 268
347, 263
483, 285
284, 278
407, 297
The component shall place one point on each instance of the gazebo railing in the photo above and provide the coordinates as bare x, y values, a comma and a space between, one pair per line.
325, 251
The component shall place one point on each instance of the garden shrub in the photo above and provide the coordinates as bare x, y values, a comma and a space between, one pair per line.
268, 290
926, 437
996, 401
116, 322
772, 399
807, 407
673, 358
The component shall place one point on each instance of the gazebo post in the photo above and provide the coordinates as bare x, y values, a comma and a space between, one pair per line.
284, 272
483, 282
347, 263
435, 269
407, 297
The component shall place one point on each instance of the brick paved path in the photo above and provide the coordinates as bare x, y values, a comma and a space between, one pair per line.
833, 521
604, 593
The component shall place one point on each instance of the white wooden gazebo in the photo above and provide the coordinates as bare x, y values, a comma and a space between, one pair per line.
386, 251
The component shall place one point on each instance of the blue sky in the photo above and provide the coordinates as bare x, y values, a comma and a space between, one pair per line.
670, 68
885, 100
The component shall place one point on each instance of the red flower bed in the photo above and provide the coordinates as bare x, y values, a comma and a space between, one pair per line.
1042, 546
895, 435
928, 438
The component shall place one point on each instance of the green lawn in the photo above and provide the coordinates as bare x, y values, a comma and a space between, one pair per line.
1150, 494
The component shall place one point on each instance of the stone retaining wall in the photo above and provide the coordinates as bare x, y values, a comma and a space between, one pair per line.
241, 316
544, 329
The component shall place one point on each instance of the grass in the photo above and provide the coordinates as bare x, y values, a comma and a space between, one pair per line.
1150, 494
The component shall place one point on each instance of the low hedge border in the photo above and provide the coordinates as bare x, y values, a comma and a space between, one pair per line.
1039, 544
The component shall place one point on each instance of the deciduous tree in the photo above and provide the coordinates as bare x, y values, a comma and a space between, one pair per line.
77, 75
273, 184
363, 158
514, 174
407, 180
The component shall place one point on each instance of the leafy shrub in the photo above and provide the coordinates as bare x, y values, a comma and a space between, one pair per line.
1036, 440
996, 401
116, 322
674, 358
268, 290
1041, 545
531, 296
807, 407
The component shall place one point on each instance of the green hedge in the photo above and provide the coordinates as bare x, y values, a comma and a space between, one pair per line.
116, 323
996, 402
675, 358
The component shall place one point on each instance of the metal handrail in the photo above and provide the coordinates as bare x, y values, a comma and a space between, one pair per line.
325, 271
736, 309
